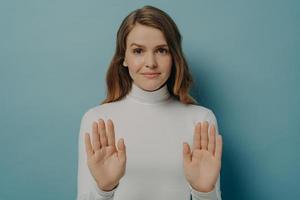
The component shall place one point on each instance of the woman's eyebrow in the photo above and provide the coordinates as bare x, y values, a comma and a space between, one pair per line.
139, 45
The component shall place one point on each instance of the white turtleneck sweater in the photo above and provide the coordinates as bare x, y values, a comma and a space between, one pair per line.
154, 125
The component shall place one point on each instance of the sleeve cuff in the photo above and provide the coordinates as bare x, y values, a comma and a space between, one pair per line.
196, 195
105, 194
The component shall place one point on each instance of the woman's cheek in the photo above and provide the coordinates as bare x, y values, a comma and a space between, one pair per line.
138, 63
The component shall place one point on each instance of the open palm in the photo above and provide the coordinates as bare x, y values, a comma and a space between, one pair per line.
106, 163
202, 165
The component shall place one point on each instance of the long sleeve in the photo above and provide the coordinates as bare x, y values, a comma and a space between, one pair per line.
86, 185
215, 194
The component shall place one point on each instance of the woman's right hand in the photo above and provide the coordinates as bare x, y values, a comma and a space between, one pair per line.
107, 164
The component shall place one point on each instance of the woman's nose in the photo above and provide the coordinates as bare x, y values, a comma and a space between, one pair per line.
150, 60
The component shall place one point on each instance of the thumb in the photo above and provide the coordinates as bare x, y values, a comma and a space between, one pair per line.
187, 156
121, 150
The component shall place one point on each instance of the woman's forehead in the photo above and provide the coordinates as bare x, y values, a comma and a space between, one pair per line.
146, 36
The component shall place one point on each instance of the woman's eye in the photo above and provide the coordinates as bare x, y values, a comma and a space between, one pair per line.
163, 51
160, 50
137, 51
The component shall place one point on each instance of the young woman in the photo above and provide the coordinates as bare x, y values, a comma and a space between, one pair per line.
148, 107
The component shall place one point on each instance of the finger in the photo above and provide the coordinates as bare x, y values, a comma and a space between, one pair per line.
197, 134
211, 143
204, 135
111, 134
187, 155
96, 137
219, 146
102, 132
88, 145
121, 150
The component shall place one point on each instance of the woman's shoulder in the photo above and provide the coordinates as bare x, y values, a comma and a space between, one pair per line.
196, 111
194, 108
101, 110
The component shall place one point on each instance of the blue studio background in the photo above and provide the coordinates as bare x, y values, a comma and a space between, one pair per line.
244, 56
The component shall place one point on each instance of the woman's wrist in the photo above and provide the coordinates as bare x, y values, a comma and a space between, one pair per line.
207, 189
108, 188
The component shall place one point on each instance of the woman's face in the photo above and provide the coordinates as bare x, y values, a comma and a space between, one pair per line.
147, 57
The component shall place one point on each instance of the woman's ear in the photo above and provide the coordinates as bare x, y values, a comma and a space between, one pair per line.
125, 64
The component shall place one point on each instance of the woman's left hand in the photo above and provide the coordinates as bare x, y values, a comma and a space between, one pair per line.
202, 165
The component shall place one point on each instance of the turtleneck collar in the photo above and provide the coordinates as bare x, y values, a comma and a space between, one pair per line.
148, 97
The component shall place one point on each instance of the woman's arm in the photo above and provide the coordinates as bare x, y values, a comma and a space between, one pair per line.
203, 162
87, 188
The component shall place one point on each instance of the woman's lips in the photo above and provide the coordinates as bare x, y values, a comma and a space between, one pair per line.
151, 75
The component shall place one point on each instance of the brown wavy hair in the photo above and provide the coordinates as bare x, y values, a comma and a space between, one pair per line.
118, 79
